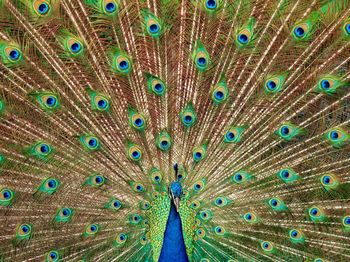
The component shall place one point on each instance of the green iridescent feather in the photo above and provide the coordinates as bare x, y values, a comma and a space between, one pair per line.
158, 217
201, 57
188, 216
163, 141
121, 63
155, 85
10, 53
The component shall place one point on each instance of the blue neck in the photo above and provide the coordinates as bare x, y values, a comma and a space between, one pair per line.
174, 248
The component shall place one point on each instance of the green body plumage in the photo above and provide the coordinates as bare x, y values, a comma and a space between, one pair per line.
188, 221
158, 217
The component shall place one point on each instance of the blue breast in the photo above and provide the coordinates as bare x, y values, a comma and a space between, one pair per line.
174, 248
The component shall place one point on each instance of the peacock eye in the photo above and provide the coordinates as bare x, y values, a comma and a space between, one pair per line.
202, 61
25, 228
325, 84
334, 135
271, 85
110, 7
6, 194
138, 187
347, 220
123, 64
43, 8
326, 180
75, 47
44, 148
65, 212
211, 4
243, 38
188, 119
230, 135
53, 255
51, 183
285, 130
285, 173
138, 122
299, 31
92, 142
158, 87
154, 28
102, 104
51, 101
219, 95
136, 154
14, 54
98, 179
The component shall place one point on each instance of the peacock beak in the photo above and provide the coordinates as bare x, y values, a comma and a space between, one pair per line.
177, 203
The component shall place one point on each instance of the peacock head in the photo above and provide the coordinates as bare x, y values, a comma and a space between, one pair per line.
175, 189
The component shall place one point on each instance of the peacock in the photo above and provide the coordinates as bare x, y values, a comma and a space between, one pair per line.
175, 130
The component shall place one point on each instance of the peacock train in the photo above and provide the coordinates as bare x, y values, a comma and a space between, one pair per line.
175, 130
